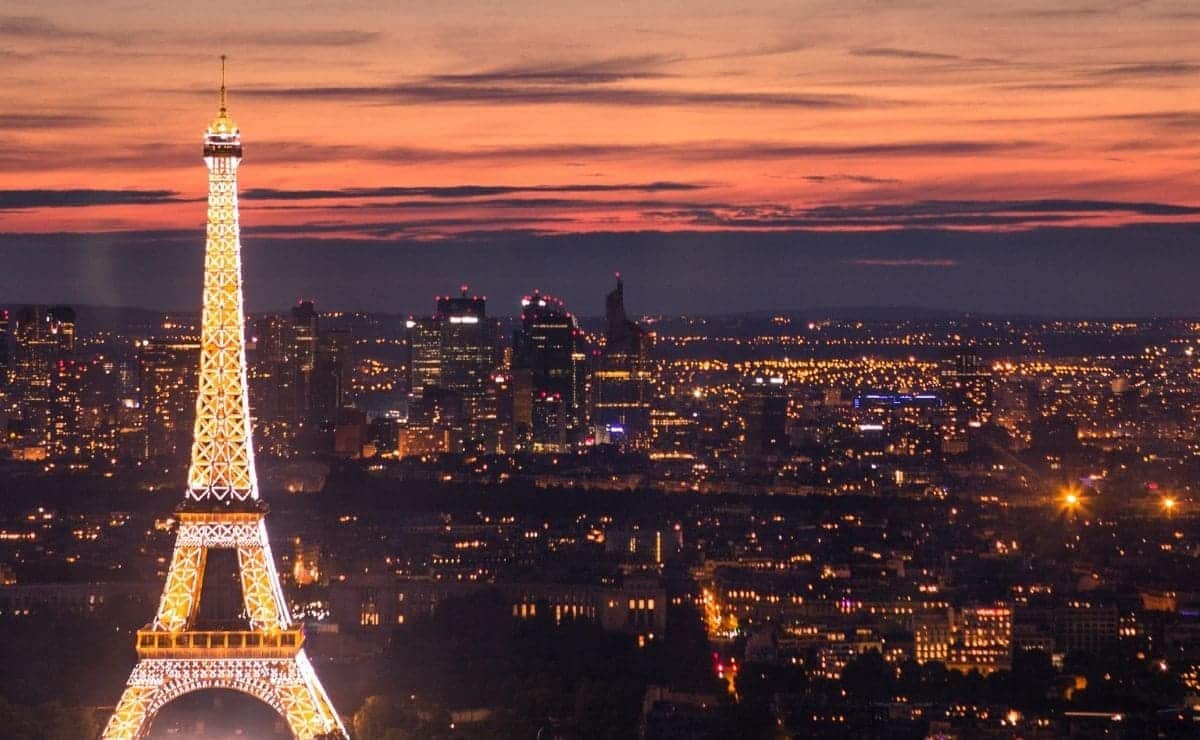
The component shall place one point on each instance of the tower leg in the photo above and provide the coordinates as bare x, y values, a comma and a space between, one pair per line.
131, 720
308, 710
181, 595
261, 594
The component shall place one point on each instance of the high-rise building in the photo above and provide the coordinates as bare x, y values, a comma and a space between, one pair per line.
267, 374
330, 377
548, 364
168, 381
300, 377
61, 430
301, 358
453, 358
500, 408
424, 355
469, 353
621, 383
42, 337
4, 351
43, 348
765, 416
107, 418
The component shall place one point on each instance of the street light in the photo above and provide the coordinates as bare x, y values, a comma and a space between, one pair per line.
1071, 498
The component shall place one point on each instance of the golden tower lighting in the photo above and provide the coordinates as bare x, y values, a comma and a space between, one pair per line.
221, 510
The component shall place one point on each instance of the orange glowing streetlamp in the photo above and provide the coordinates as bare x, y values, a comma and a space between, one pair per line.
1071, 498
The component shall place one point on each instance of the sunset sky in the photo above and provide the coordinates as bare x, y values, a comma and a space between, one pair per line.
1002, 156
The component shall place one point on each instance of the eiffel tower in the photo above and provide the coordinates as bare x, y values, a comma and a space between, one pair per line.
222, 510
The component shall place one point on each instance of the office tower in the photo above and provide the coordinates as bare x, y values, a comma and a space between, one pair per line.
967, 388
168, 378
61, 420
267, 375
301, 357
41, 337
621, 408
499, 406
469, 353
270, 339
548, 364
548, 422
108, 419
764, 416
453, 357
301, 375
424, 339
222, 511
43, 343
330, 377
4, 349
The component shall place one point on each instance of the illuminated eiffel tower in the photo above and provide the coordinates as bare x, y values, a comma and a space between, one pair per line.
221, 509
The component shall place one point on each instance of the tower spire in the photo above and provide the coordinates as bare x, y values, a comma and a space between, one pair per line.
223, 127
222, 83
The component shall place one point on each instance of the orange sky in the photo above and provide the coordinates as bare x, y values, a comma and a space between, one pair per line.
603, 116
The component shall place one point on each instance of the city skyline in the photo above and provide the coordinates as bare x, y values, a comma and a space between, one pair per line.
773, 159
839, 450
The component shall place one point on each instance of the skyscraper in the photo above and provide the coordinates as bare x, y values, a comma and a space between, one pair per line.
42, 337
621, 408
424, 339
330, 377
549, 365
301, 357
168, 379
43, 347
764, 413
468, 346
4, 352
453, 356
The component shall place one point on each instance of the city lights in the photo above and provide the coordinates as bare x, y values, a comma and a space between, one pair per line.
841, 384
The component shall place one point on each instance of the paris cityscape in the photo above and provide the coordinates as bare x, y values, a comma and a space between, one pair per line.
689, 437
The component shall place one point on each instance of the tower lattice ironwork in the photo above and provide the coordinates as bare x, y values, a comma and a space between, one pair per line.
221, 509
